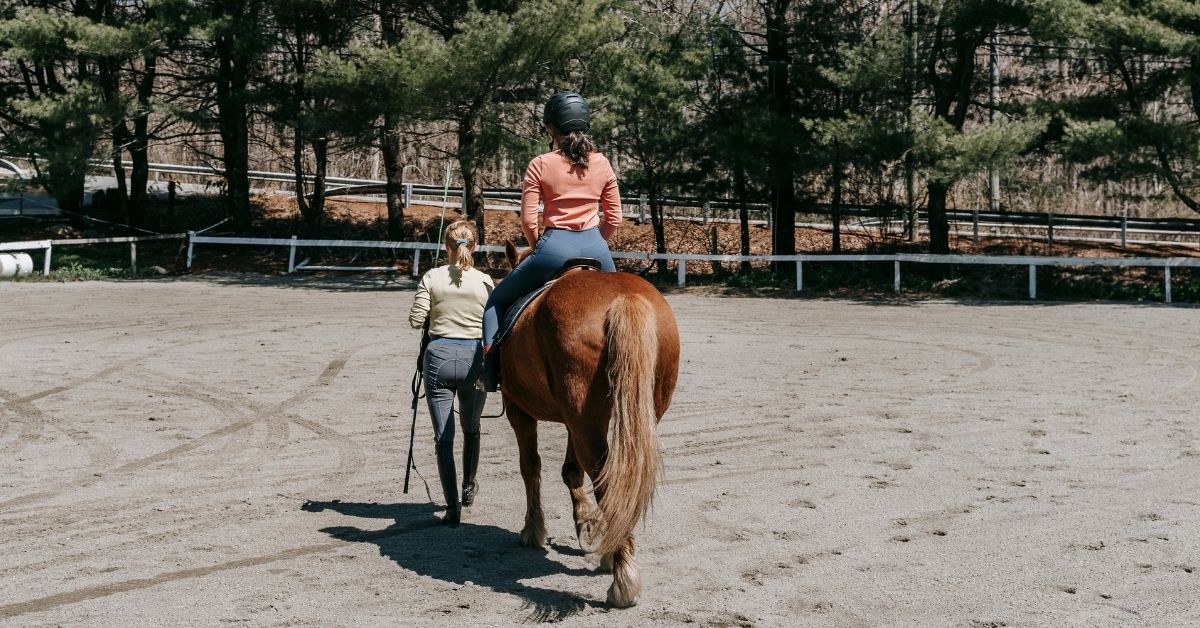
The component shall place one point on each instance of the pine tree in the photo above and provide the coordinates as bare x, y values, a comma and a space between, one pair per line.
945, 146
1142, 120
226, 69
496, 55
648, 102
304, 31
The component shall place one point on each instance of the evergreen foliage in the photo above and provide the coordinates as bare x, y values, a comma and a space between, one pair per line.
808, 106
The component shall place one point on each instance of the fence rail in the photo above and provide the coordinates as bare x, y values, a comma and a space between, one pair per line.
1043, 225
725, 210
47, 246
680, 259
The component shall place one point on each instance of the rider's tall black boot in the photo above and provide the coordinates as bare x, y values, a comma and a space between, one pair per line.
491, 370
446, 471
470, 466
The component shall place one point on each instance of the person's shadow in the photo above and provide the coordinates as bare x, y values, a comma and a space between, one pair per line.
481, 554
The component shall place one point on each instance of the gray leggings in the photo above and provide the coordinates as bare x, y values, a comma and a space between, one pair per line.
452, 366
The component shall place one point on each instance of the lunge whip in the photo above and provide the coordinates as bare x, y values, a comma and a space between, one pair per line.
416, 396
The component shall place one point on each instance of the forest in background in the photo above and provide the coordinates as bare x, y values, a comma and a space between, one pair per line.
1072, 106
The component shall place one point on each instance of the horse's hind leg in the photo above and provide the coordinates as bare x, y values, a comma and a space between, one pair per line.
581, 504
525, 427
627, 578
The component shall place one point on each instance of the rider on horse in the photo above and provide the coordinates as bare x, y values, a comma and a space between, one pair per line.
570, 182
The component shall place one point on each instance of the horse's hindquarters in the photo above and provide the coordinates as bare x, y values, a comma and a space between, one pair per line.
600, 353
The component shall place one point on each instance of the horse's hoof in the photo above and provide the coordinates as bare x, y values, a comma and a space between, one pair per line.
619, 598
533, 538
588, 540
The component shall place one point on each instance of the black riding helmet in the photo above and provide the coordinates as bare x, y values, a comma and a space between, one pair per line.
567, 111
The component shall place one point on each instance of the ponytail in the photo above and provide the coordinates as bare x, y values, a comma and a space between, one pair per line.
460, 238
577, 146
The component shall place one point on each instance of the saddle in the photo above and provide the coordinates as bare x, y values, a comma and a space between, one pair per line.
518, 308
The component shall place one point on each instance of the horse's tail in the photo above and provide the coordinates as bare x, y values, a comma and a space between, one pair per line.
629, 472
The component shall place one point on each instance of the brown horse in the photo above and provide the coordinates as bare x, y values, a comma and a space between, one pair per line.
599, 353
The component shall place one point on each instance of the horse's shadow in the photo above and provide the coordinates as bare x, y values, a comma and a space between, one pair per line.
484, 555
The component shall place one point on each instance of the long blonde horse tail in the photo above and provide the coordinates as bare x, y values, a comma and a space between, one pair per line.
630, 471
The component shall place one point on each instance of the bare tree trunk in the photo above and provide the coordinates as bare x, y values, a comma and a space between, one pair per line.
234, 127
739, 183
320, 148
780, 152
311, 204
393, 171
472, 205
391, 142
835, 213
654, 195
939, 228
109, 77
140, 143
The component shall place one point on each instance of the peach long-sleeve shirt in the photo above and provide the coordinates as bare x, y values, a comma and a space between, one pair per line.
569, 195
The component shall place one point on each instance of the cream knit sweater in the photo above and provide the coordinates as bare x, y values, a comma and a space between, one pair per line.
453, 300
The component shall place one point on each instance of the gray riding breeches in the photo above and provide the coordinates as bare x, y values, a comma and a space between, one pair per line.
452, 367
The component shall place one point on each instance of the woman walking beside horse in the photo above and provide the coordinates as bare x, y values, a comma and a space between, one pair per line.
450, 298
569, 182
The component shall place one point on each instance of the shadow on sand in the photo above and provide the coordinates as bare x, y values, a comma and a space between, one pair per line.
484, 555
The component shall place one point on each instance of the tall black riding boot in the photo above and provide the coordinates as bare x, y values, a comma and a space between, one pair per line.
445, 463
470, 466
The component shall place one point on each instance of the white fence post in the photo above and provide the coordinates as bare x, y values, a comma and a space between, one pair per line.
190, 234
133, 258
1032, 281
799, 276
416, 271
682, 280
896, 280
46, 262
1167, 282
292, 256
642, 209
406, 200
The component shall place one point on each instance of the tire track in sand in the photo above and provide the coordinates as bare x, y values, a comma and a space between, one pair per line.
90, 593
327, 375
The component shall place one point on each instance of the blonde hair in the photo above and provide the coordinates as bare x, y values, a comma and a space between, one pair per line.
461, 231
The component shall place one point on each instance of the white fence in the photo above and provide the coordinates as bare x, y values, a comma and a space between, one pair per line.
680, 259
47, 246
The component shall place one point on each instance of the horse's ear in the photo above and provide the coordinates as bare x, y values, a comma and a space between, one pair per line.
510, 252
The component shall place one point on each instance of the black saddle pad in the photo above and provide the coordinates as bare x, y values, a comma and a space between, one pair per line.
514, 312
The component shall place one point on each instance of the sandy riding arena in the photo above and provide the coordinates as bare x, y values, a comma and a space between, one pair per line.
230, 450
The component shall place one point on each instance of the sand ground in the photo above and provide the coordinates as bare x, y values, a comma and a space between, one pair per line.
230, 449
